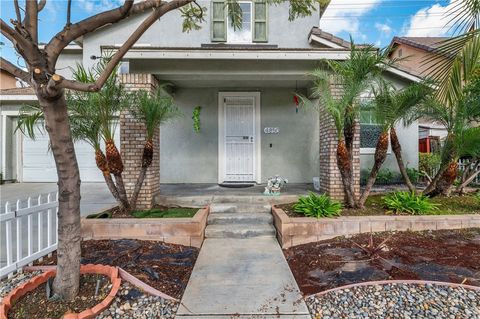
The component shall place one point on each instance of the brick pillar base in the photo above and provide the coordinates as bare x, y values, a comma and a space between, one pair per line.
132, 140
330, 179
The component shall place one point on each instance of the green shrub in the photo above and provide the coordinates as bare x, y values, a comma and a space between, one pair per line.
317, 206
409, 202
385, 177
429, 163
413, 174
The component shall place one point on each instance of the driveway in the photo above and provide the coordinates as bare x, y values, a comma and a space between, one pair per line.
95, 196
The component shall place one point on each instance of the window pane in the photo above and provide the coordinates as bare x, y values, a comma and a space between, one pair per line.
260, 31
260, 11
243, 35
218, 11
369, 135
218, 30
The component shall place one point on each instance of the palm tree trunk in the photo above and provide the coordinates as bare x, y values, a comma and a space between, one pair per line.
448, 156
397, 150
66, 282
147, 158
115, 165
344, 166
101, 161
446, 180
380, 156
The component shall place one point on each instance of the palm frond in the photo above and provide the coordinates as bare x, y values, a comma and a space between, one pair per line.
30, 120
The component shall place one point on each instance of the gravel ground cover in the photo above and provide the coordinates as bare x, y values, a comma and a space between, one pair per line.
132, 303
397, 301
8, 284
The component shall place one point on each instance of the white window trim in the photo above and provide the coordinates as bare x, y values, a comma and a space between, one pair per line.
251, 24
221, 134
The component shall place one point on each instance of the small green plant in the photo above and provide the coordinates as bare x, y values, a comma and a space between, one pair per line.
413, 174
409, 202
385, 177
428, 163
317, 206
196, 118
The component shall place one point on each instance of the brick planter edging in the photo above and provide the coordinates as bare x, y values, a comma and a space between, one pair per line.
301, 230
23, 289
125, 275
398, 282
181, 231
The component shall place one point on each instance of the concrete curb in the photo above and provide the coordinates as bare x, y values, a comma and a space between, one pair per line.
386, 282
301, 230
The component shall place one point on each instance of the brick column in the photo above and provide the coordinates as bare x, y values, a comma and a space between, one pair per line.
330, 179
132, 140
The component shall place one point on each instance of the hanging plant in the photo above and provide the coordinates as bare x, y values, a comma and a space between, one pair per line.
196, 119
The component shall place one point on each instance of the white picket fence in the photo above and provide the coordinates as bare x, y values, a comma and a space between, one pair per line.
463, 164
30, 231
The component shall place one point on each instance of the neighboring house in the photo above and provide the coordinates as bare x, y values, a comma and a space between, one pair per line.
7, 80
413, 54
244, 80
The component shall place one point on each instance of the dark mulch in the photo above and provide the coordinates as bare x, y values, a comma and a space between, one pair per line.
166, 267
444, 255
453, 205
36, 305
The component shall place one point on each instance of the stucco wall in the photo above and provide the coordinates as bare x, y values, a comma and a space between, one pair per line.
186, 156
167, 32
67, 62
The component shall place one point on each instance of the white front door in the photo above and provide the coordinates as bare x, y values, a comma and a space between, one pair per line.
239, 131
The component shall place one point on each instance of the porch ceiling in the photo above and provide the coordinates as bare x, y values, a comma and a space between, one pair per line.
228, 73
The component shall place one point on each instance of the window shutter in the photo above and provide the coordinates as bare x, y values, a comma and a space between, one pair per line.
260, 21
219, 26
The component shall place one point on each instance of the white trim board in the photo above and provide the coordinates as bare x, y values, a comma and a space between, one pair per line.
221, 134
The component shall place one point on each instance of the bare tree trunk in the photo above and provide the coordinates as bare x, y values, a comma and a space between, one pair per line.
121, 191
397, 150
380, 156
147, 158
467, 181
343, 163
66, 282
473, 170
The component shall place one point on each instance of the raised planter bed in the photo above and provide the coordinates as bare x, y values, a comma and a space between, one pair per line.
292, 231
33, 283
181, 231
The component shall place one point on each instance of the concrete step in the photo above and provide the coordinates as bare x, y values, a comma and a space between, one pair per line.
240, 218
240, 208
239, 231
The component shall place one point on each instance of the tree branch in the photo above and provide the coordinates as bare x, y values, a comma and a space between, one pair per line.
13, 69
31, 19
17, 11
76, 30
116, 58
69, 10
41, 5
26, 48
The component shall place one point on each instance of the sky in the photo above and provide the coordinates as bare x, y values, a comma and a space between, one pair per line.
367, 21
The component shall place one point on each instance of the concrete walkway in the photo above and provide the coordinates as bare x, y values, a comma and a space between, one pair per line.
242, 278
95, 196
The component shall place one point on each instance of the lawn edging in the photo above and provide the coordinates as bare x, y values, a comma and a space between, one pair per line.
293, 231
181, 231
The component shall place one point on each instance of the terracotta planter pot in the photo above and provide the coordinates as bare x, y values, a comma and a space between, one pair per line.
23, 289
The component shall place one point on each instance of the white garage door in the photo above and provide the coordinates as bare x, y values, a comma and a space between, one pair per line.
38, 164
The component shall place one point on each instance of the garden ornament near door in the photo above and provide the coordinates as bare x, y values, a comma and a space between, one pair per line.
274, 185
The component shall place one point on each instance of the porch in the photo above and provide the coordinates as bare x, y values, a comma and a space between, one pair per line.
198, 195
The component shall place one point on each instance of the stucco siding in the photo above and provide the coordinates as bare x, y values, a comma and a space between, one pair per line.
189, 157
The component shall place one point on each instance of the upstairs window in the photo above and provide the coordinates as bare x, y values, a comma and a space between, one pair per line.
254, 22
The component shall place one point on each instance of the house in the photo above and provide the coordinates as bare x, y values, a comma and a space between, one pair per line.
244, 80
413, 54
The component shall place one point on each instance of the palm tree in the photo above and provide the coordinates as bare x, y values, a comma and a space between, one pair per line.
153, 110
390, 107
354, 76
455, 64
